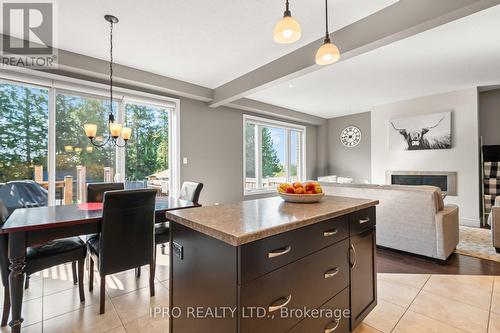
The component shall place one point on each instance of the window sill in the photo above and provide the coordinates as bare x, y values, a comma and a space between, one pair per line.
259, 192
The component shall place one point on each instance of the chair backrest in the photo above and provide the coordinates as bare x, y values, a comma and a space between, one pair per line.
4, 245
95, 191
127, 230
190, 191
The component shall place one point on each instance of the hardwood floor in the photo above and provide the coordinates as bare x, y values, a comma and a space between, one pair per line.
390, 261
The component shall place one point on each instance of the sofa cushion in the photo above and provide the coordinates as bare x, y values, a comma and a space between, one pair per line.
438, 195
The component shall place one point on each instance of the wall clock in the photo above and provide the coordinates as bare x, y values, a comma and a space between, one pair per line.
350, 136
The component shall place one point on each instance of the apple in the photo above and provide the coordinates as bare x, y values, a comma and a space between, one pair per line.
300, 190
290, 190
309, 187
297, 185
310, 192
318, 189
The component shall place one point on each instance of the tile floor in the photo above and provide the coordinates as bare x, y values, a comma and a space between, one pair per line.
421, 303
416, 303
52, 305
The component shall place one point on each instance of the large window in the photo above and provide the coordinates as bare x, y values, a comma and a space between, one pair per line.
42, 137
147, 156
24, 125
274, 153
75, 156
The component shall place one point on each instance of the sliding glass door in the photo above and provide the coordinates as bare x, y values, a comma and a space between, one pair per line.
43, 140
147, 155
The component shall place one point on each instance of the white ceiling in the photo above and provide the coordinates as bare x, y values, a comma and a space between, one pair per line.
462, 54
206, 42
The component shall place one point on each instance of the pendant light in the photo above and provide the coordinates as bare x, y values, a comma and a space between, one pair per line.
287, 30
115, 129
328, 53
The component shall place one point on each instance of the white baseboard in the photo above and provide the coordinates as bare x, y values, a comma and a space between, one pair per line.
469, 222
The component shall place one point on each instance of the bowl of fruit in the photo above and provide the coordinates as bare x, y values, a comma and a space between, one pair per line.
309, 192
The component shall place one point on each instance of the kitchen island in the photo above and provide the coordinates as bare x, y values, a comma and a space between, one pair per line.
269, 266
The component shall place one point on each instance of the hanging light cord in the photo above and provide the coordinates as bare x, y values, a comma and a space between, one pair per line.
111, 68
327, 34
287, 10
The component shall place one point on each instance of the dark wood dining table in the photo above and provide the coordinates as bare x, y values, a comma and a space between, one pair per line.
28, 227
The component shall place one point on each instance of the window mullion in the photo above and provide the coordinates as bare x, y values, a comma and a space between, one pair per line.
51, 162
120, 151
258, 156
287, 155
300, 156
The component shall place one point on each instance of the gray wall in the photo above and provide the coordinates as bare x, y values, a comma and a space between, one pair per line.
350, 162
489, 116
212, 140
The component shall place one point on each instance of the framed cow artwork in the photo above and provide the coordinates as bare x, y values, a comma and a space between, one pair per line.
430, 131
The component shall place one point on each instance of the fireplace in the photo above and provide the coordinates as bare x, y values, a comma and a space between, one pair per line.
446, 181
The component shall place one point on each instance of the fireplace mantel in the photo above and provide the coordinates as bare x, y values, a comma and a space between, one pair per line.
447, 181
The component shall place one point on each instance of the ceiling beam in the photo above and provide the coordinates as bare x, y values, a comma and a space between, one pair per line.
396, 22
275, 111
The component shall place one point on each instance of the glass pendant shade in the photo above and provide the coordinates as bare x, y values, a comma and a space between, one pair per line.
90, 130
115, 130
327, 54
126, 132
287, 31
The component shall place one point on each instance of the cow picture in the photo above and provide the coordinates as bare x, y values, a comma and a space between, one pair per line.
431, 131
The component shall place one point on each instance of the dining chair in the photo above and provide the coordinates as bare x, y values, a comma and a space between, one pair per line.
126, 238
190, 191
56, 252
95, 191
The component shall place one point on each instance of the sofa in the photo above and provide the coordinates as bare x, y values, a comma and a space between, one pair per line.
412, 219
494, 222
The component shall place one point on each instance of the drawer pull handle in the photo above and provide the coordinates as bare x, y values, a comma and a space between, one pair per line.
353, 249
281, 303
365, 220
279, 252
330, 233
332, 273
332, 326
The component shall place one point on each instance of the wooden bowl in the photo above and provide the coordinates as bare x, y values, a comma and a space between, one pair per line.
302, 198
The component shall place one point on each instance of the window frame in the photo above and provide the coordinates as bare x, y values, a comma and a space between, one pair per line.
56, 84
259, 123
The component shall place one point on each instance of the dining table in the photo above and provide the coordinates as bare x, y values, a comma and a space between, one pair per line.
29, 227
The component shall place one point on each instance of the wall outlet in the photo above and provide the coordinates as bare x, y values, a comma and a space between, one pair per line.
184, 160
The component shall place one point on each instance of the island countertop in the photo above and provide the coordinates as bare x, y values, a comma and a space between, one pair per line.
247, 221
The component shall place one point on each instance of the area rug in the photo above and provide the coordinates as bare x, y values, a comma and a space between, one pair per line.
476, 242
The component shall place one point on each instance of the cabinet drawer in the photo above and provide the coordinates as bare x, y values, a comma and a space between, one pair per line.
339, 307
362, 220
265, 255
308, 282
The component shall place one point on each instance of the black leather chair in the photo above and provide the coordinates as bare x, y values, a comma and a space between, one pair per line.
54, 253
126, 237
190, 191
95, 191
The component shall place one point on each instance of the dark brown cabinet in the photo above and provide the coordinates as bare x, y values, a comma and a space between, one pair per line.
363, 276
326, 265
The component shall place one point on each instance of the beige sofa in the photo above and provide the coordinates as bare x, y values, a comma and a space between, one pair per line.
494, 222
409, 218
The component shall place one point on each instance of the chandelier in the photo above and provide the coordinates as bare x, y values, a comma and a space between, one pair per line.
115, 129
